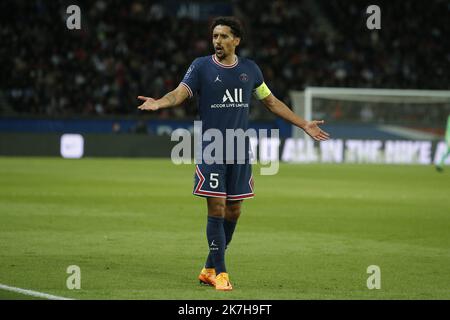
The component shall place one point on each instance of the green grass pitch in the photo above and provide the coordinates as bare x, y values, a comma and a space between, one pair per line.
136, 231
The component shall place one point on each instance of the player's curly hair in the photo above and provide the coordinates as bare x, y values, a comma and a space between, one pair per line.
235, 25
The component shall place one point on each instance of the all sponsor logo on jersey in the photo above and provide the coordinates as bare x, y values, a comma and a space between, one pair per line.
232, 98
237, 96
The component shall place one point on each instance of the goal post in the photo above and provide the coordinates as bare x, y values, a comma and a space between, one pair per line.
385, 126
417, 102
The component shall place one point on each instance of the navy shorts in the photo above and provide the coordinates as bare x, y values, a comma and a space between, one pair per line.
230, 181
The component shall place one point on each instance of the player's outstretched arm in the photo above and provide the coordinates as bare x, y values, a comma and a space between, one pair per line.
310, 127
171, 99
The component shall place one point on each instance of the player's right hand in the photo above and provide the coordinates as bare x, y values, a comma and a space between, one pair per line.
149, 104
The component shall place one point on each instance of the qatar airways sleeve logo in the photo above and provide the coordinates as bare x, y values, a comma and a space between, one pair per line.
236, 98
189, 71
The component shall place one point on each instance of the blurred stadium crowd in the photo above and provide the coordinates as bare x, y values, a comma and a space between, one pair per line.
126, 48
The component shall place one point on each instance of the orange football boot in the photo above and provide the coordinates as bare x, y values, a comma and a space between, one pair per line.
223, 282
208, 276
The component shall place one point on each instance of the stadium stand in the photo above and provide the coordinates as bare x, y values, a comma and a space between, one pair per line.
126, 48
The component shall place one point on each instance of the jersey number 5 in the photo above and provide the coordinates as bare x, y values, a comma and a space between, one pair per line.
213, 181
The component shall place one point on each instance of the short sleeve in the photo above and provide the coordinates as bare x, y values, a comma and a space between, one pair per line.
259, 79
191, 78
260, 90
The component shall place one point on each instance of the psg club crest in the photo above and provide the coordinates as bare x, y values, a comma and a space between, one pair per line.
243, 77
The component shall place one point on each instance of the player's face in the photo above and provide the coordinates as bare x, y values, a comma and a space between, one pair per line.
224, 41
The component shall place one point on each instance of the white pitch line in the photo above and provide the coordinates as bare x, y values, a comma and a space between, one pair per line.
32, 293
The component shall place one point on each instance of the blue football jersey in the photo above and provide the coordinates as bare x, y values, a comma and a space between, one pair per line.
224, 95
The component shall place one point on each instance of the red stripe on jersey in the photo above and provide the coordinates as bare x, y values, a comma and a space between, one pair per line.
188, 89
224, 65
199, 190
241, 196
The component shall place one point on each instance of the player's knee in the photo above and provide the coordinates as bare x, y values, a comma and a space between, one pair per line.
233, 212
216, 209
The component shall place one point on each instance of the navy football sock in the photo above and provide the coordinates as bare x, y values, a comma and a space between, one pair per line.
209, 263
228, 227
217, 242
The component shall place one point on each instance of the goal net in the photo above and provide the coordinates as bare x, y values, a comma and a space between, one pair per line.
372, 125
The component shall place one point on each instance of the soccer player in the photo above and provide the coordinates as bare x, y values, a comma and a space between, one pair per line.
440, 165
224, 84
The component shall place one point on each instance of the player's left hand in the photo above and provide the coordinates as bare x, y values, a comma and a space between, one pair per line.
313, 130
